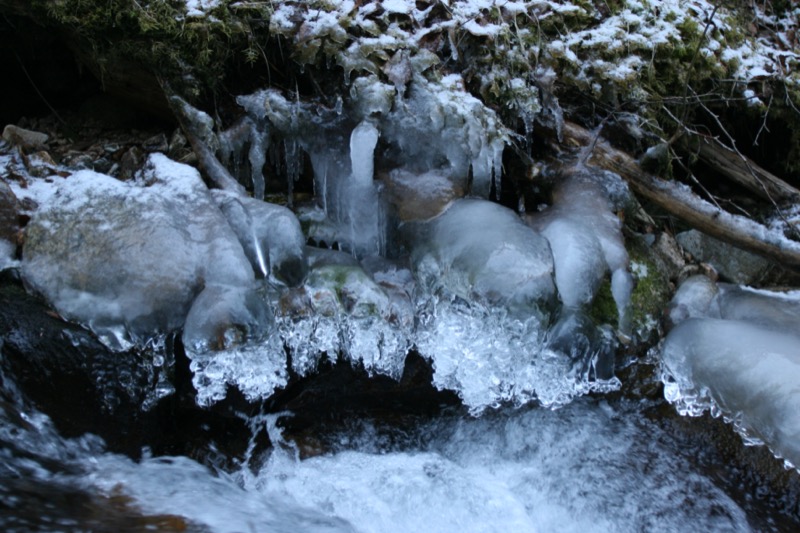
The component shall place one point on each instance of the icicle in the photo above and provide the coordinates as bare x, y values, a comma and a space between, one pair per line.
362, 148
259, 144
293, 164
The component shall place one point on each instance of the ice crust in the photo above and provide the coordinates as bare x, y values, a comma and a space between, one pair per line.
736, 353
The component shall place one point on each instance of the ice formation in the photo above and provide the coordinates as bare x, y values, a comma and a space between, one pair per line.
735, 352
480, 250
342, 309
430, 126
270, 236
586, 239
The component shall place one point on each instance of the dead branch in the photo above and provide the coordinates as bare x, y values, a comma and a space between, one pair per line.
680, 201
745, 172
196, 132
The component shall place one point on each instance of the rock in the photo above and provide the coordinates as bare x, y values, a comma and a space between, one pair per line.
667, 254
156, 143
128, 261
420, 196
41, 165
692, 299
9, 225
224, 317
732, 263
585, 236
131, 162
26, 139
749, 373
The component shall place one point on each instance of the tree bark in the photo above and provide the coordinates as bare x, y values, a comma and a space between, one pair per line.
680, 201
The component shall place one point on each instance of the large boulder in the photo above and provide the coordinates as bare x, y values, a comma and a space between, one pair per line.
129, 260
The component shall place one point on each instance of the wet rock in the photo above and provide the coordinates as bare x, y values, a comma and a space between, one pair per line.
732, 263
128, 261
26, 139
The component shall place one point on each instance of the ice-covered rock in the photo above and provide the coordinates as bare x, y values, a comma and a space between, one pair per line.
129, 260
231, 339
749, 374
769, 309
439, 125
693, 299
486, 298
270, 236
736, 353
480, 250
586, 239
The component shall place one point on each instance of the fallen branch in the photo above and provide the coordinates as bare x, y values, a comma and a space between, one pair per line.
198, 128
679, 200
746, 173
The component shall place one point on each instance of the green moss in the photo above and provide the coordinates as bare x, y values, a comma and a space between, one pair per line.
649, 298
191, 54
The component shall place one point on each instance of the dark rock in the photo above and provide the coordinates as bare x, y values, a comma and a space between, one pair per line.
156, 143
131, 162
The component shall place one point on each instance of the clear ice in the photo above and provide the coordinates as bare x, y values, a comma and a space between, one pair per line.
735, 352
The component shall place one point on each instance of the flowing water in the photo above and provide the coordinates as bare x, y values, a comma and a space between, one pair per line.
597, 464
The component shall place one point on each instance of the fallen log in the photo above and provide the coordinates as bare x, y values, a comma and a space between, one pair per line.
745, 172
679, 200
